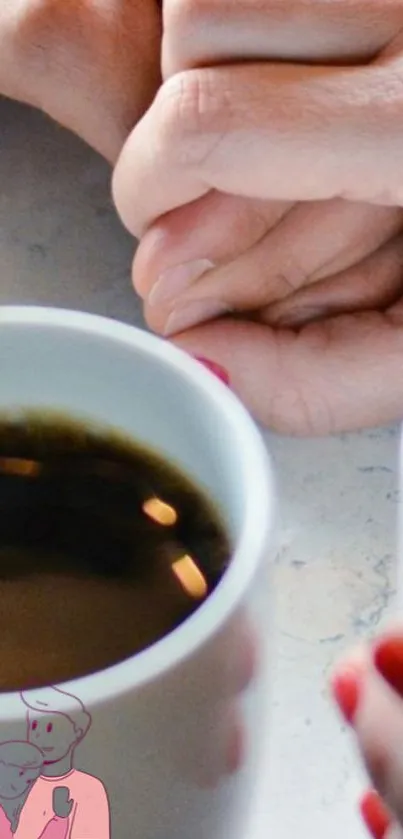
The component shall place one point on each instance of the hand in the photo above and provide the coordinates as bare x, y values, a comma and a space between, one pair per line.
93, 67
368, 687
275, 134
62, 803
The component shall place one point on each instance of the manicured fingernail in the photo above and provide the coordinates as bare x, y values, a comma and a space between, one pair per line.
375, 815
215, 368
346, 691
173, 281
388, 659
191, 314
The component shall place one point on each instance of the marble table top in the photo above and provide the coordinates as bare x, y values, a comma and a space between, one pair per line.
61, 244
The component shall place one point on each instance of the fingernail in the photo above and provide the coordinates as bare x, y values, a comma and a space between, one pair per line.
375, 814
193, 313
388, 660
346, 691
173, 281
215, 368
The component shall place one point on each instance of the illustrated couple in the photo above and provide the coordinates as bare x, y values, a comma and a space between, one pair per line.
42, 795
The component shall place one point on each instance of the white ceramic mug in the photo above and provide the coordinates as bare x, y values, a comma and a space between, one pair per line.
168, 744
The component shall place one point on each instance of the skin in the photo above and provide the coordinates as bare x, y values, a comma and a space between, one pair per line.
378, 726
248, 165
92, 65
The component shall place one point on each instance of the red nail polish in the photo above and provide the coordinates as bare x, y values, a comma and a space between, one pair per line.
346, 691
375, 814
214, 368
388, 659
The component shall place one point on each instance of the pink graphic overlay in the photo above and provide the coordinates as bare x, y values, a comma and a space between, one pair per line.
42, 794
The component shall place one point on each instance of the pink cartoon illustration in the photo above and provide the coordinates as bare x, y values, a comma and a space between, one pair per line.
62, 802
21, 764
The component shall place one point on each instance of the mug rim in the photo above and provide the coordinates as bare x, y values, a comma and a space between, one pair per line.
255, 470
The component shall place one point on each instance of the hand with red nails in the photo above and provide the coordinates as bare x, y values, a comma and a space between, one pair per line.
369, 691
265, 181
93, 67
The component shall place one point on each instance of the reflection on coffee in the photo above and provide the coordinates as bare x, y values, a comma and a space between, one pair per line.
104, 549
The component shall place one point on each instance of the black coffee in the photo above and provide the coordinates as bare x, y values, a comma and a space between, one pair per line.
104, 548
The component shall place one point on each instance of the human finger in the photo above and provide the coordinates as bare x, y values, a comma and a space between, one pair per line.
201, 32
280, 132
375, 283
369, 690
186, 244
335, 375
308, 243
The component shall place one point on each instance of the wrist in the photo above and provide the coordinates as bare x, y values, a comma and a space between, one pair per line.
96, 74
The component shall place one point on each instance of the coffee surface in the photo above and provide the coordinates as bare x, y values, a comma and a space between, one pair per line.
104, 549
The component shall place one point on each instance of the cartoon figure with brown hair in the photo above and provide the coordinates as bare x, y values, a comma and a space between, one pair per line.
62, 797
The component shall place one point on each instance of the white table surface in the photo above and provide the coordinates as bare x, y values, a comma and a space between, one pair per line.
61, 244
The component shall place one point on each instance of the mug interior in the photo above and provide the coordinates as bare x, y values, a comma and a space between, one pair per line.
117, 376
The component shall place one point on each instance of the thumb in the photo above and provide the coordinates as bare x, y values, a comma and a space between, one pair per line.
340, 374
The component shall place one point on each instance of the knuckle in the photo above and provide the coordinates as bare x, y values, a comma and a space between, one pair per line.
196, 110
